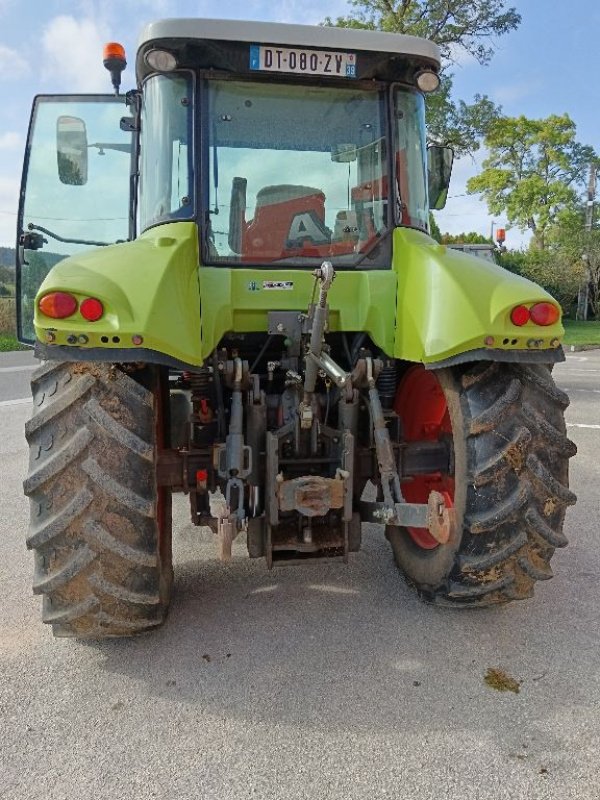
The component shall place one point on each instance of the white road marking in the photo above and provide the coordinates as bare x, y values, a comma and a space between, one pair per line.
579, 370
595, 391
19, 402
29, 368
582, 425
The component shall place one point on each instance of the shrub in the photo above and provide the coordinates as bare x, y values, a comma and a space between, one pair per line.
556, 273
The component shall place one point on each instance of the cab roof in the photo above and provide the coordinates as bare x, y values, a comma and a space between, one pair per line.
278, 33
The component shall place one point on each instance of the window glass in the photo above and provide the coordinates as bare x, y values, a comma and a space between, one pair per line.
296, 174
76, 187
410, 159
166, 152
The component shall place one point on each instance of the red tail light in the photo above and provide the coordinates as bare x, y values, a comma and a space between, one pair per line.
519, 315
91, 309
58, 305
544, 313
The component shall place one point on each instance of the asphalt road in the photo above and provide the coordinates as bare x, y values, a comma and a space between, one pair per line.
316, 682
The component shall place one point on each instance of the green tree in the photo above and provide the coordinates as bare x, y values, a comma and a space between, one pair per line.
581, 249
7, 257
459, 28
465, 238
434, 230
533, 173
7, 274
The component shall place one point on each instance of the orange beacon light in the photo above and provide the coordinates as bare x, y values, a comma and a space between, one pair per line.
115, 63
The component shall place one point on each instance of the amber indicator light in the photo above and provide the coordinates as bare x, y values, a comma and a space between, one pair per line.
544, 313
58, 305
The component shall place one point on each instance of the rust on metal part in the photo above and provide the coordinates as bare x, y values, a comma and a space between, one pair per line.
311, 495
440, 518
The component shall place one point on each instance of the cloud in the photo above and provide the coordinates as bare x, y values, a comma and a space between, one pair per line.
515, 91
73, 53
9, 200
9, 189
311, 12
10, 140
12, 63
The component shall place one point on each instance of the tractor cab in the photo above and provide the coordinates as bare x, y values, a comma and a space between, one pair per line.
309, 143
285, 145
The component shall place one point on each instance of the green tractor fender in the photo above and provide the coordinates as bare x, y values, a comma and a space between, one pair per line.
149, 289
451, 303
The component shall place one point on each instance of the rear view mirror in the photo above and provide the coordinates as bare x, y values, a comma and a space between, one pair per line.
439, 169
72, 150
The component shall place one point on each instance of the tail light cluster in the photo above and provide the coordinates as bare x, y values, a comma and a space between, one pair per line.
59, 305
540, 314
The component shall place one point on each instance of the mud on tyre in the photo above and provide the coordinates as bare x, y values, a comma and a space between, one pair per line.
509, 484
100, 527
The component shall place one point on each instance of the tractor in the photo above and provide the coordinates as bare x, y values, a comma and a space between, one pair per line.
227, 275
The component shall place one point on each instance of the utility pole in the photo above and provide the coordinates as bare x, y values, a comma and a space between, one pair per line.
583, 296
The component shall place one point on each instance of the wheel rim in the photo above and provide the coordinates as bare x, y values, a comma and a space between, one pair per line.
421, 405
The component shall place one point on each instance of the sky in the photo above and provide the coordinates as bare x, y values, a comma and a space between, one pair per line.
548, 66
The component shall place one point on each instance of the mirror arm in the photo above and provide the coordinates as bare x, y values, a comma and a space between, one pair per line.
32, 227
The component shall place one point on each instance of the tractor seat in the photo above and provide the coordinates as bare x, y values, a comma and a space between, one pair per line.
283, 193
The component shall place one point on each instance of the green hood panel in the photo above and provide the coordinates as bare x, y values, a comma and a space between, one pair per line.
449, 302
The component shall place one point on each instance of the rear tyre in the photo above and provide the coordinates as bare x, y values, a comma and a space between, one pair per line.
509, 485
100, 526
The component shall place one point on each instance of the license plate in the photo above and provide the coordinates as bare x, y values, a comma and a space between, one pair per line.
302, 62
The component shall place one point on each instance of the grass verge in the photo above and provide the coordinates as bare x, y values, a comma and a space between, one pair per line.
581, 333
8, 342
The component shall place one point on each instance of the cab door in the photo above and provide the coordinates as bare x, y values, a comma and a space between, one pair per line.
76, 188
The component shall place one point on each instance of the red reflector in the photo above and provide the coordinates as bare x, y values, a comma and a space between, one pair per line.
519, 315
544, 313
201, 475
91, 309
58, 305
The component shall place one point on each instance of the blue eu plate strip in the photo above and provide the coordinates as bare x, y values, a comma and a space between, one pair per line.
254, 56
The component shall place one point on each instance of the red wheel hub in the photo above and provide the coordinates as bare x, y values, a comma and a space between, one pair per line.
421, 405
